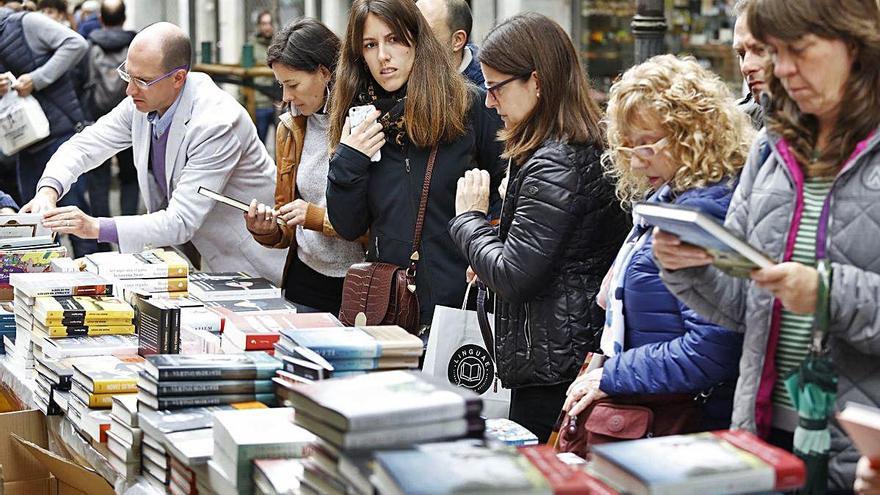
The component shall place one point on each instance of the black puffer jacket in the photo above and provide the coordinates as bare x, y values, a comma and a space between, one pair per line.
383, 197
561, 227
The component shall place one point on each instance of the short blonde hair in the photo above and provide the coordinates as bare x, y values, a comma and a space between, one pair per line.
708, 136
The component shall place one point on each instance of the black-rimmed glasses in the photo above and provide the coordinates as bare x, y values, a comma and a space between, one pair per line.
493, 89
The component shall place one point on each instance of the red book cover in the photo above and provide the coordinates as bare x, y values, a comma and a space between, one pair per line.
791, 473
563, 479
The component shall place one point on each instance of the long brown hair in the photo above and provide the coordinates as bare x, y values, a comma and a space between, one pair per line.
531, 42
857, 23
437, 99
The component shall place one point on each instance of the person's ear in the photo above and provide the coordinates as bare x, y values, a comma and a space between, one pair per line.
325, 73
179, 78
459, 40
536, 81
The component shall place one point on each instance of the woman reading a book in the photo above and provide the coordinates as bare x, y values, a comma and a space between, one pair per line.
810, 197
675, 136
560, 225
303, 58
391, 60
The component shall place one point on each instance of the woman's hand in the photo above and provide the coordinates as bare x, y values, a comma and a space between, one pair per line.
260, 219
672, 254
794, 284
470, 276
367, 138
583, 392
294, 213
472, 193
867, 477
71, 220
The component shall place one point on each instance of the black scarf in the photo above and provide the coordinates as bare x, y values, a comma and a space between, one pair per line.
391, 105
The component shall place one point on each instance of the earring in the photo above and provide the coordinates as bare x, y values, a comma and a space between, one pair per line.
539, 94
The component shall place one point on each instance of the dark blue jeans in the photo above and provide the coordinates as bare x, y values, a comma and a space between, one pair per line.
30, 169
264, 118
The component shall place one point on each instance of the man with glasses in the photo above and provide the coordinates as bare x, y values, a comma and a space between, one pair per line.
185, 133
41, 54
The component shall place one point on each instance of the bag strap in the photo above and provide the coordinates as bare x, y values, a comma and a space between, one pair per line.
420, 219
483, 320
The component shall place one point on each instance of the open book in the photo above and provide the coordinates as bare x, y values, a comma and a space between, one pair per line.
731, 253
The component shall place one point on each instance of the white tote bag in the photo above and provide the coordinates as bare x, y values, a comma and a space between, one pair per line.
456, 351
22, 121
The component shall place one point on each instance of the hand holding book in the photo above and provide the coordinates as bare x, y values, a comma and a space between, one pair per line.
673, 254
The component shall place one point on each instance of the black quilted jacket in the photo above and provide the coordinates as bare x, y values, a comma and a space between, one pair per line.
561, 227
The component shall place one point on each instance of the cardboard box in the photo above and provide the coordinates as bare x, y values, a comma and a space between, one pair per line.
28, 468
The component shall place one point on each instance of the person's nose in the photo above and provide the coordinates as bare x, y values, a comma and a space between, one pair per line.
784, 65
132, 89
384, 56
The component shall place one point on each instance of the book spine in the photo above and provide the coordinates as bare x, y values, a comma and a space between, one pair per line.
354, 364
335, 352
125, 272
790, 471
211, 387
175, 331
156, 284
80, 290
212, 400
214, 373
100, 401
117, 386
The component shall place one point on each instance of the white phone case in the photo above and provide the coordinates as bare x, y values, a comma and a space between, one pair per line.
356, 117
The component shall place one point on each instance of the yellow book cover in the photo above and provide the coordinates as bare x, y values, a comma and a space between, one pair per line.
109, 374
80, 331
81, 309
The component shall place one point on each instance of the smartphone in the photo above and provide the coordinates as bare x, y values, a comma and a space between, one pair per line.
357, 116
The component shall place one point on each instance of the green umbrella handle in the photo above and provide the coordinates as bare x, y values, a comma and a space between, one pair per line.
823, 307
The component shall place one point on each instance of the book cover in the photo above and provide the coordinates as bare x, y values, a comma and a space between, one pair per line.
156, 263
191, 447
564, 479
308, 369
108, 374
56, 332
334, 342
194, 341
862, 424
116, 445
125, 409
91, 399
203, 387
461, 468
250, 366
35, 260
382, 400
129, 435
692, 226
509, 432
158, 423
279, 475
201, 318
224, 286
34, 285
394, 341
188, 401
55, 310
697, 463
58, 372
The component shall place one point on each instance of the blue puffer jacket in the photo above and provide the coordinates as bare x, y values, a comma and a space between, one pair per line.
668, 347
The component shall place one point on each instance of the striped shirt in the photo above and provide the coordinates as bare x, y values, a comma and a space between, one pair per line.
795, 329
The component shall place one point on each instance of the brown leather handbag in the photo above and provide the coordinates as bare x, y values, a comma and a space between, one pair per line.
383, 293
620, 418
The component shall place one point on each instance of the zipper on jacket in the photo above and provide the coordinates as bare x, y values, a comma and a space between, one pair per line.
376, 242
406, 165
527, 331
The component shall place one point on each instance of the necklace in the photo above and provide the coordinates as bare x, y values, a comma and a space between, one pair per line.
815, 155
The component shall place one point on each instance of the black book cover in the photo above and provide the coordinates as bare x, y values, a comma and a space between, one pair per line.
158, 327
202, 387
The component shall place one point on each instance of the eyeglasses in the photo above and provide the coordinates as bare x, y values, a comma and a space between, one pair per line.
643, 151
493, 89
140, 83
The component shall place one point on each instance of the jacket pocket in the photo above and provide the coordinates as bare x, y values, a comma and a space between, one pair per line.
527, 330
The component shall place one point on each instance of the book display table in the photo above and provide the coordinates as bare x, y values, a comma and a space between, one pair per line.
17, 392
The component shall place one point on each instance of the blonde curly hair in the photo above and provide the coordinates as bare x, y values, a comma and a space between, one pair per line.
708, 136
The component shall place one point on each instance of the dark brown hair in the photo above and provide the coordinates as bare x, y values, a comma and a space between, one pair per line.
528, 43
437, 99
305, 44
855, 22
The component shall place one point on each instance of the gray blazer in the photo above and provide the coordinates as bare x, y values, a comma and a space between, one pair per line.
212, 143
761, 213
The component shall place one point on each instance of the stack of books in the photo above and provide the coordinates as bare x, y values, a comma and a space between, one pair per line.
125, 436
384, 410
231, 286
261, 330
77, 316
277, 476
155, 271
54, 379
7, 324
96, 381
181, 381
507, 432
30, 286
348, 350
237, 443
